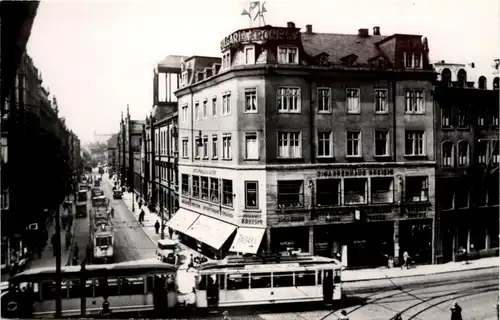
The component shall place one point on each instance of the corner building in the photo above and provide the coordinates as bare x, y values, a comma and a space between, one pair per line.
312, 141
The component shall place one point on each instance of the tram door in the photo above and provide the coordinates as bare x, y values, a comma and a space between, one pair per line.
160, 300
212, 291
327, 286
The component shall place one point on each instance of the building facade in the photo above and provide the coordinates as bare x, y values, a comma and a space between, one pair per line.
112, 153
467, 153
294, 141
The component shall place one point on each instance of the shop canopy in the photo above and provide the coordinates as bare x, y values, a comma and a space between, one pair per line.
182, 220
211, 231
247, 240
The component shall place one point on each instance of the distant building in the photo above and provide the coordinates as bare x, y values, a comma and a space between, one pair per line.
112, 153
101, 137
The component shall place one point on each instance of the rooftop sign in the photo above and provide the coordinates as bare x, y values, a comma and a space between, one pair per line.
259, 34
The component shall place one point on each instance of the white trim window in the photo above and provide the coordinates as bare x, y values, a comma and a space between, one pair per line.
381, 143
353, 142
226, 146
184, 81
415, 143
204, 110
482, 151
215, 146
353, 105
196, 111
289, 145
414, 101
226, 60
413, 60
205, 147
214, 107
463, 153
446, 117
226, 104
185, 149
481, 120
250, 100
288, 55
251, 195
184, 113
324, 100
249, 55
462, 117
494, 120
289, 99
197, 147
251, 146
325, 144
447, 154
381, 105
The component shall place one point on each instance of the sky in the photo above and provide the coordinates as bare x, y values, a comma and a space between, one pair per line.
97, 56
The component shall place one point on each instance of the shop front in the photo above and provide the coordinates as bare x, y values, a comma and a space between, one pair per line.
415, 237
247, 240
290, 238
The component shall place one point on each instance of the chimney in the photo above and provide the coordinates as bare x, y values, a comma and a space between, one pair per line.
290, 25
363, 33
376, 31
309, 28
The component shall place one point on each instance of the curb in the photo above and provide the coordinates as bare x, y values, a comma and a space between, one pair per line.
420, 275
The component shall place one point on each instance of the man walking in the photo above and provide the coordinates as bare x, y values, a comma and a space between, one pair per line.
406, 257
157, 227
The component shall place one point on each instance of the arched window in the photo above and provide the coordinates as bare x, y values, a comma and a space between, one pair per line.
496, 83
446, 77
482, 82
463, 153
447, 154
461, 78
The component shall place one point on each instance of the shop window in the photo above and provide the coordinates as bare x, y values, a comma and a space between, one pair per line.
482, 151
204, 188
355, 191
251, 198
447, 154
185, 184
461, 196
214, 190
238, 281
328, 192
227, 192
196, 186
260, 280
446, 117
382, 190
282, 279
463, 153
417, 189
290, 193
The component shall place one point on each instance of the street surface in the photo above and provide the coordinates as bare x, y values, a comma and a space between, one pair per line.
131, 243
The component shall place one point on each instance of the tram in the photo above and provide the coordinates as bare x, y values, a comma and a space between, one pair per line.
135, 286
240, 281
102, 238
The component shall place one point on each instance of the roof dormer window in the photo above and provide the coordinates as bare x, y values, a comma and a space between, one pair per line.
249, 55
288, 55
413, 60
226, 60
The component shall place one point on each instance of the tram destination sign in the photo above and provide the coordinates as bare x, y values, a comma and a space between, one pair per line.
345, 172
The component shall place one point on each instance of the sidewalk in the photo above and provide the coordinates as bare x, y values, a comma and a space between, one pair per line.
347, 275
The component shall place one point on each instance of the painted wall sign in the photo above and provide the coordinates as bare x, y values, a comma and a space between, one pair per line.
206, 172
209, 209
267, 34
285, 219
254, 219
354, 172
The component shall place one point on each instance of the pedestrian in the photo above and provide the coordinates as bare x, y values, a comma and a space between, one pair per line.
466, 256
140, 204
191, 263
157, 226
406, 257
343, 315
456, 311
141, 216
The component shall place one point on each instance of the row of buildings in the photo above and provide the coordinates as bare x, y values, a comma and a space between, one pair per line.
350, 144
40, 162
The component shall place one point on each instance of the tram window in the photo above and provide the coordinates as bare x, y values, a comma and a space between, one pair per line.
222, 284
170, 283
101, 287
261, 280
237, 281
150, 284
113, 286
49, 290
320, 276
282, 279
336, 279
131, 286
305, 278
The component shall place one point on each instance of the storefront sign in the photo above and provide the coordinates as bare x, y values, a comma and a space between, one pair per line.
205, 172
354, 172
416, 211
251, 219
213, 210
273, 34
286, 219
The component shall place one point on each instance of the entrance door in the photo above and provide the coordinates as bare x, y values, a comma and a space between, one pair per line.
212, 291
327, 286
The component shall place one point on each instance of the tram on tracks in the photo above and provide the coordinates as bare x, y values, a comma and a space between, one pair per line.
135, 286
241, 281
102, 236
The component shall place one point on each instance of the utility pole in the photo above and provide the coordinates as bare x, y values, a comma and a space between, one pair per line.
153, 163
58, 253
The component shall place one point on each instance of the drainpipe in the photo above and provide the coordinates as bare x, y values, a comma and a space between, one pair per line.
192, 123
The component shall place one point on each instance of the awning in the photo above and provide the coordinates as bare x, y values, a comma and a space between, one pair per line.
247, 240
182, 220
211, 231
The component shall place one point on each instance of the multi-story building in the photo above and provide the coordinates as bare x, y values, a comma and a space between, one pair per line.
467, 153
314, 141
112, 153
